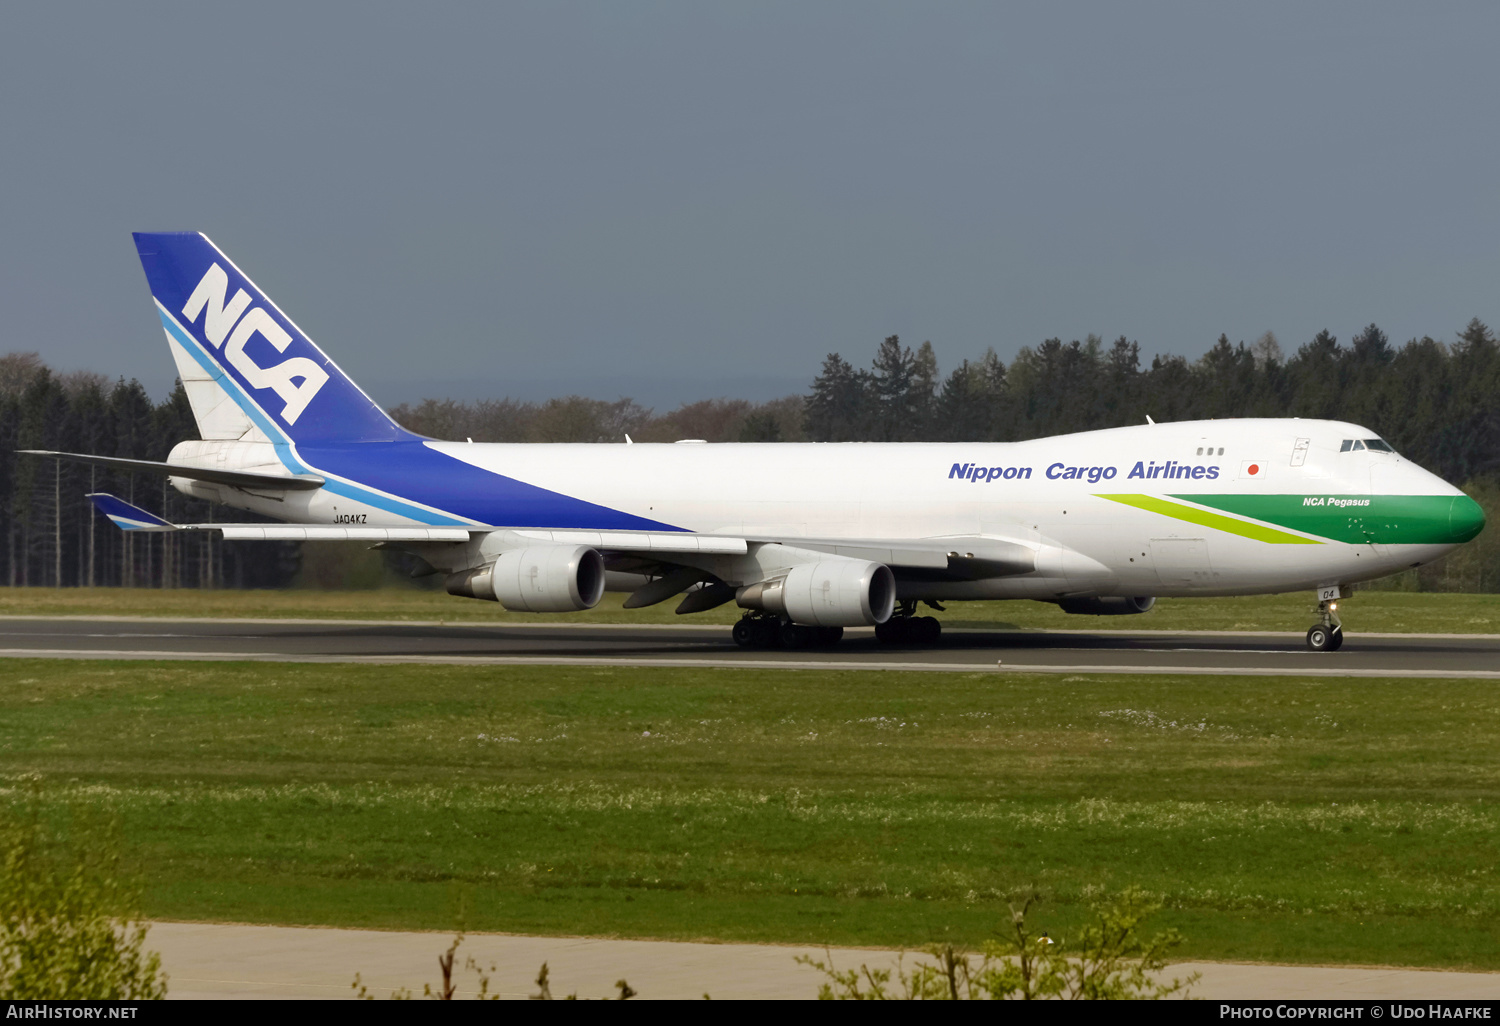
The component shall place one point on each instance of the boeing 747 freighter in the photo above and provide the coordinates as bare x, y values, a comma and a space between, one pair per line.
807, 538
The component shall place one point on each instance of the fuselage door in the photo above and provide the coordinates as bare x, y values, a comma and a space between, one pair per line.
1299, 451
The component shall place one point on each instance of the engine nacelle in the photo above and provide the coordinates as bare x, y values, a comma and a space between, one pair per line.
832, 593
537, 579
1114, 605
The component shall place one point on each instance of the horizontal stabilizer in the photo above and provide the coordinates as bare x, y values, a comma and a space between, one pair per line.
133, 518
127, 517
236, 478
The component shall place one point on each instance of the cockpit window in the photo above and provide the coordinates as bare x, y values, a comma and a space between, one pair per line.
1377, 445
1348, 444
1358, 445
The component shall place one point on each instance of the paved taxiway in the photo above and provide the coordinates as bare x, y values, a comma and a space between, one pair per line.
1244, 653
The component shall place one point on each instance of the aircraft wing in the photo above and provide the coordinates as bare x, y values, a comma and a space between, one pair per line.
965, 556
132, 518
962, 556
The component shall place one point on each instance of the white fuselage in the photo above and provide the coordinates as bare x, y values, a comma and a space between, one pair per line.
1046, 494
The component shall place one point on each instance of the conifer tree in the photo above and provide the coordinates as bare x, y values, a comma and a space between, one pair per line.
838, 408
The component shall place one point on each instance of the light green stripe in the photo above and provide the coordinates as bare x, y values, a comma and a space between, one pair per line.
1177, 511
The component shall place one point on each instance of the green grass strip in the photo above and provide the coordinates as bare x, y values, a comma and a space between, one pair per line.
1177, 511
1281, 819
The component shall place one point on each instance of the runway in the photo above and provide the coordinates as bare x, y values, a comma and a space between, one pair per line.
963, 651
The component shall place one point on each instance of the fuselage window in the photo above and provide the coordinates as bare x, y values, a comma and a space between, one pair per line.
1221, 450
1376, 445
1348, 444
1200, 450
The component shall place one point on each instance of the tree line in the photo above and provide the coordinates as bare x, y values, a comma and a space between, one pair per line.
52, 535
1437, 402
577, 419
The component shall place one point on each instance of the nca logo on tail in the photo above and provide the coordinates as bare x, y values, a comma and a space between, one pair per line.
221, 320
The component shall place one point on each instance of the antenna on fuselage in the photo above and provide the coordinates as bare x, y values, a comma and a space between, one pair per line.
1150, 421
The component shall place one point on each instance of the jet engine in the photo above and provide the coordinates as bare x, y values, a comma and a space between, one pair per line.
831, 593
1113, 605
537, 579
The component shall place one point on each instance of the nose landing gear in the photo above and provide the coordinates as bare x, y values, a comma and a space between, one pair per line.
1328, 634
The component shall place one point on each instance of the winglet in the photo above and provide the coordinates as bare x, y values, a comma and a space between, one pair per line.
127, 517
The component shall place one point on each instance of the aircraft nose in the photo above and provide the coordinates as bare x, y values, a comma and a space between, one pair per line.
1465, 519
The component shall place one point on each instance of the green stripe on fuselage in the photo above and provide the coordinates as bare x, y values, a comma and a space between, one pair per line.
1202, 517
1361, 519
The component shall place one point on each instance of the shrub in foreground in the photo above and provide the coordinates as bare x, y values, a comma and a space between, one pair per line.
69, 923
448, 989
1110, 960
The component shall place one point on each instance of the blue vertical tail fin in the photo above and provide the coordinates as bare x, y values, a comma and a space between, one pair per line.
249, 371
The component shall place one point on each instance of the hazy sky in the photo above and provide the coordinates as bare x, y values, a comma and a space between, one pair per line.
679, 201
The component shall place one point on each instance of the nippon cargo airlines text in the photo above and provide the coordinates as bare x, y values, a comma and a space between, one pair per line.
1144, 469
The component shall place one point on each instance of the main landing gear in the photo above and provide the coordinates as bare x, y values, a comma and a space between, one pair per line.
1328, 634
762, 630
905, 628
767, 630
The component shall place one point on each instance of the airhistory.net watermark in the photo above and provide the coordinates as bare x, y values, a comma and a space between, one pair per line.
47, 1010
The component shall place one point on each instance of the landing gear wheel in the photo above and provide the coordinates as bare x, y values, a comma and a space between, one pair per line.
757, 632
909, 630
765, 633
795, 635
1320, 638
1328, 635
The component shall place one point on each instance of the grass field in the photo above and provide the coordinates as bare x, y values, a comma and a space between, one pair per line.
1281, 819
1365, 611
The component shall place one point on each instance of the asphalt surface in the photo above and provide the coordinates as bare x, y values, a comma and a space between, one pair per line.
230, 961
1249, 653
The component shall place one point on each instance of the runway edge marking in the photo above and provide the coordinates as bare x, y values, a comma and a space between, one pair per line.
139, 655
630, 625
